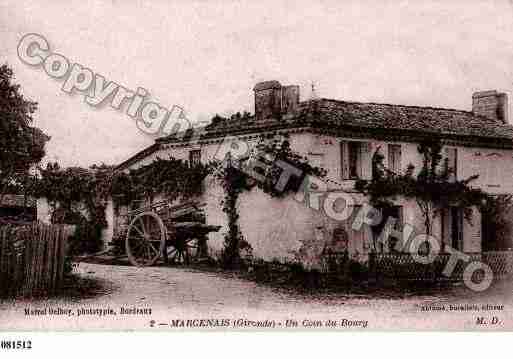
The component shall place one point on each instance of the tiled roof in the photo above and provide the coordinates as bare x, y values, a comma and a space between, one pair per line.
396, 119
410, 122
411, 118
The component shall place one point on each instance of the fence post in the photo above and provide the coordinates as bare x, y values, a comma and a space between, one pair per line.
55, 255
9, 263
50, 260
33, 258
37, 255
3, 279
60, 257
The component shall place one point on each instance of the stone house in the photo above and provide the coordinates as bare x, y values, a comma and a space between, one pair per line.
342, 137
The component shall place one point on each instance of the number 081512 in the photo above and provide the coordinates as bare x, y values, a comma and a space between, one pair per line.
15, 344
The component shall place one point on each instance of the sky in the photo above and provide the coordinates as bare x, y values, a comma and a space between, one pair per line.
206, 56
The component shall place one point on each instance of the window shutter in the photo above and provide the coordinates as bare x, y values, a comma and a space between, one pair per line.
390, 156
394, 158
493, 167
457, 229
398, 159
444, 227
472, 235
365, 160
451, 156
344, 159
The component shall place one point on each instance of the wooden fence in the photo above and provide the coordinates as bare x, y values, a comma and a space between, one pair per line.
31, 259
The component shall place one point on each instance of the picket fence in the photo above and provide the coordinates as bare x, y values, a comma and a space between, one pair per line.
403, 266
32, 259
382, 267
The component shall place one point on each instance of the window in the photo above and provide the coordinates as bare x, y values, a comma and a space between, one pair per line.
351, 160
457, 228
194, 158
394, 158
452, 162
354, 160
452, 228
489, 237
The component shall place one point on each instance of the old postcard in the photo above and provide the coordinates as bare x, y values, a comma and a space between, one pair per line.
244, 166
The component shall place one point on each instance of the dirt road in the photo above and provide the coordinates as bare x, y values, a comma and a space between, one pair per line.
124, 297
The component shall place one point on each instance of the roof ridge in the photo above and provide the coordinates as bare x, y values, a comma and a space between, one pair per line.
392, 105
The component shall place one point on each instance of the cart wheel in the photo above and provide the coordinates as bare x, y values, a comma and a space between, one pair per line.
183, 251
145, 239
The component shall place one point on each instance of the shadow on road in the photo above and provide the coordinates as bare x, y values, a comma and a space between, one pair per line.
77, 287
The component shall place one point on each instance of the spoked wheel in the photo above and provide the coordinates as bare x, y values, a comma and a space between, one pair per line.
145, 239
182, 251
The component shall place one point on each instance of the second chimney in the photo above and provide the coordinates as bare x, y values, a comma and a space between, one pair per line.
491, 104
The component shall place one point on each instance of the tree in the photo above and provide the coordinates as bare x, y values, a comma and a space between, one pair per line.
21, 145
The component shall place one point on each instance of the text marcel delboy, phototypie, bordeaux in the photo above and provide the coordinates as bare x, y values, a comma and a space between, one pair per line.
98, 312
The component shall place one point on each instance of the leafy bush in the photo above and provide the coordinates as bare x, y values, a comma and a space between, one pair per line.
86, 239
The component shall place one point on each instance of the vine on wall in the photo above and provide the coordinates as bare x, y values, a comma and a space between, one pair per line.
235, 180
433, 188
171, 178
233, 183
79, 196
74, 189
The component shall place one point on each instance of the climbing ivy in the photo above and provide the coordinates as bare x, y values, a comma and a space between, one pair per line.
171, 177
75, 190
265, 174
233, 182
433, 189
69, 189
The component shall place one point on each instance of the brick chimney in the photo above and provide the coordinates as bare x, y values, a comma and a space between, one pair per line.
491, 104
273, 100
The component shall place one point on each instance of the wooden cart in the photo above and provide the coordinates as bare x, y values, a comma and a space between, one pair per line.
176, 234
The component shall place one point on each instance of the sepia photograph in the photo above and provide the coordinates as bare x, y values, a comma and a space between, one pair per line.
236, 166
